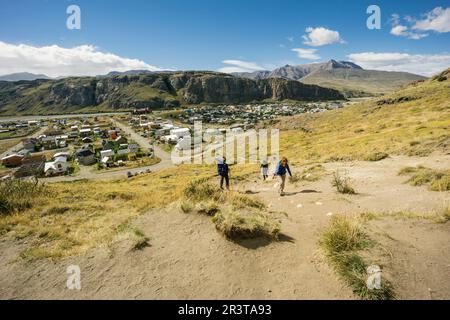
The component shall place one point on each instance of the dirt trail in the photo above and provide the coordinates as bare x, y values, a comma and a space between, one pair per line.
189, 259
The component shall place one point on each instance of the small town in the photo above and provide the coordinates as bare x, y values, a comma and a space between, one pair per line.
252, 113
66, 146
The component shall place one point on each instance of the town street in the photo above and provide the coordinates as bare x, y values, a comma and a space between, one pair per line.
87, 173
18, 146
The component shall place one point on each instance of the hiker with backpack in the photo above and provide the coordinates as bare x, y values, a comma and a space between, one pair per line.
265, 169
280, 171
223, 171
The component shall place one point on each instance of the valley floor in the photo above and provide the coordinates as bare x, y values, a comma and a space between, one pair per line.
188, 259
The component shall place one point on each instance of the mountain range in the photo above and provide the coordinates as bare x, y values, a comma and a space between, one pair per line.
23, 76
345, 76
151, 90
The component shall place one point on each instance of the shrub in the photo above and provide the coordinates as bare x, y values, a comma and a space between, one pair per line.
377, 156
18, 194
342, 184
246, 224
202, 190
186, 207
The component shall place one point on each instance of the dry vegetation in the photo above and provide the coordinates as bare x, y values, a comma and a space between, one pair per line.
342, 241
374, 129
235, 215
436, 180
342, 183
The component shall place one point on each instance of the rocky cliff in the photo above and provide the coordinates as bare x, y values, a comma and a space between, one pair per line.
160, 90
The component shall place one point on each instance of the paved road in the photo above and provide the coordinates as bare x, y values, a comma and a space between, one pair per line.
19, 146
86, 172
59, 116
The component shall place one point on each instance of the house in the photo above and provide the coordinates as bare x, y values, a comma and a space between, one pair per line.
85, 157
121, 140
31, 166
87, 140
108, 145
106, 153
58, 166
61, 154
30, 144
107, 161
133, 147
170, 139
12, 160
85, 132
123, 151
73, 134
183, 144
49, 143
181, 132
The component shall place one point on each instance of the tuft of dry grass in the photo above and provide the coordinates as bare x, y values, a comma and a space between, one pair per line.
341, 242
342, 184
234, 214
246, 224
17, 195
437, 180
376, 156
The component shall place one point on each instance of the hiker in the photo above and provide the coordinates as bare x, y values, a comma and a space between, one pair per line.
265, 169
222, 170
280, 171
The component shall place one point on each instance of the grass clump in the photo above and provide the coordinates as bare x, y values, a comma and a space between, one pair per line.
342, 184
246, 224
341, 241
437, 180
236, 215
17, 195
377, 156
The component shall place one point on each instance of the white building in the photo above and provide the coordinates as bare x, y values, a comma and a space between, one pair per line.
181, 132
106, 153
58, 166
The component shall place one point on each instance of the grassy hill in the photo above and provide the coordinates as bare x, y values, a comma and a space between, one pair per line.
357, 83
414, 121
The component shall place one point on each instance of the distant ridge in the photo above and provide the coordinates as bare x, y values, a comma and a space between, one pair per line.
23, 76
344, 76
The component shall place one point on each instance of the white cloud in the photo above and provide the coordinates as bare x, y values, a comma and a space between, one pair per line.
290, 39
424, 64
309, 54
55, 61
437, 20
321, 36
403, 31
240, 66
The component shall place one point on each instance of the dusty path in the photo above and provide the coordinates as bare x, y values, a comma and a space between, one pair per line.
188, 259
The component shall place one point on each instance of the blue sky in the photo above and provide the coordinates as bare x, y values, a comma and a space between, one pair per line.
197, 34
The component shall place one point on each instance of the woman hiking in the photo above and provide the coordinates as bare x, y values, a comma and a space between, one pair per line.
280, 171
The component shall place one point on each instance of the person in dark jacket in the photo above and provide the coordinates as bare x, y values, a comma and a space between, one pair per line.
280, 171
265, 169
223, 170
